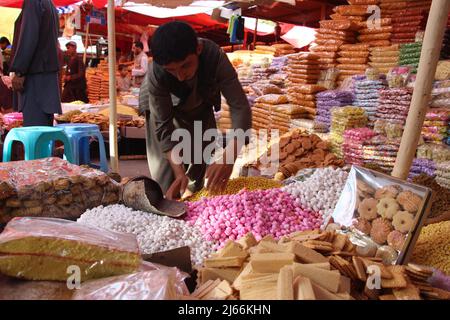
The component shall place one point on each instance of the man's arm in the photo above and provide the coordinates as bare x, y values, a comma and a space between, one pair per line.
144, 67
29, 37
241, 118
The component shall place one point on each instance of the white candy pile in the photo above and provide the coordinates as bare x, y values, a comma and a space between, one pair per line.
154, 233
321, 191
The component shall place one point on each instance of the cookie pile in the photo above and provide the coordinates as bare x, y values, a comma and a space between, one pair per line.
443, 174
394, 104
299, 150
353, 60
342, 119
98, 83
441, 195
386, 214
410, 55
354, 141
327, 100
307, 265
384, 58
367, 96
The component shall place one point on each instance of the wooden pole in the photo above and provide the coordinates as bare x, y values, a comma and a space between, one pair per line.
255, 34
86, 43
113, 148
429, 57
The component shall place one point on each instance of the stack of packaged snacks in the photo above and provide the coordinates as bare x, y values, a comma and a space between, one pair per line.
394, 105
376, 33
261, 49
279, 77
384, 58
435, 126
353, 60
330, 36
282, 49
262, 71
410, 55
245, 74
394, 8
354, 141
440, 95
406, 24
381, 151
367, 96
328, 78
435, 152
303, 68
443, 174
342, 119
327, 100
422, 166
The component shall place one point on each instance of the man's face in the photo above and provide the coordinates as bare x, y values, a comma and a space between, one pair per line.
3, 46
71, 50
186, 69
136, 50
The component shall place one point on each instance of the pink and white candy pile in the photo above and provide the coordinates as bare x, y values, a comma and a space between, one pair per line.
263, 212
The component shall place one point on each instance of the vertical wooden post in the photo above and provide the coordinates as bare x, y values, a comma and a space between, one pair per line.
429, 57
86, 43
113, 148
255, 34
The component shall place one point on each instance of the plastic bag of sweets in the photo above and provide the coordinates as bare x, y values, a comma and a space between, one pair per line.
52, 187
381, 214
44, 248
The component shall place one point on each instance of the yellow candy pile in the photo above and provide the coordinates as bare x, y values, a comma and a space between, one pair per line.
236, 185
433, 246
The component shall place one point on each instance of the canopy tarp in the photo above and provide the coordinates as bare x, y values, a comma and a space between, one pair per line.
58, 3
8, 17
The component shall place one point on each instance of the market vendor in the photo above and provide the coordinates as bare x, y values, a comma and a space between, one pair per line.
184, 84
140, 66
75, 88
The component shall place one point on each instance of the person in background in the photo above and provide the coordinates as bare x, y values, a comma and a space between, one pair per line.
182, 88
34, 63
75, 87
5, 48
140, 64
5, 89
123, 81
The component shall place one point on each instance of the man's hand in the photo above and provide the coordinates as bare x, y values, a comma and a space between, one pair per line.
178, 187
18, 83
218, 176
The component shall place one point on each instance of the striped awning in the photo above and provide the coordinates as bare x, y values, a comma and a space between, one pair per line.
65, 10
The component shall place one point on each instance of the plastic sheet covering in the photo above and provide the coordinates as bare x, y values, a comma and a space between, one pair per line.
44, 249
153, 282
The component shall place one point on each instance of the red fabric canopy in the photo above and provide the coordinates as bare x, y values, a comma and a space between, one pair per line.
58, 3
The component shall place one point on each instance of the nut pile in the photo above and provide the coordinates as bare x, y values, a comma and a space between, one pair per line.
321, 191
433, 246
441, 195
238, 184
154, 233
262, 212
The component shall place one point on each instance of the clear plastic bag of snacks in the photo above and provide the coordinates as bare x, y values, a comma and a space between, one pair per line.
382, 215
155, 282
52, 187
56, 249
398, 77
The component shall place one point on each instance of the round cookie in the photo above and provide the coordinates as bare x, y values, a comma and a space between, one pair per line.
409, 201
363, 225
387, 207
367, 209
364, 189
388, 191
380, 229
396, 239
403, 221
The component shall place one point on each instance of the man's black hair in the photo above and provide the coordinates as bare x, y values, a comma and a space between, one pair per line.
139, 44
122, 66
5, 40
173, 42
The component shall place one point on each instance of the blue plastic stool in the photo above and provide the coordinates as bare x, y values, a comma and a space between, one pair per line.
37, 141
79, 134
